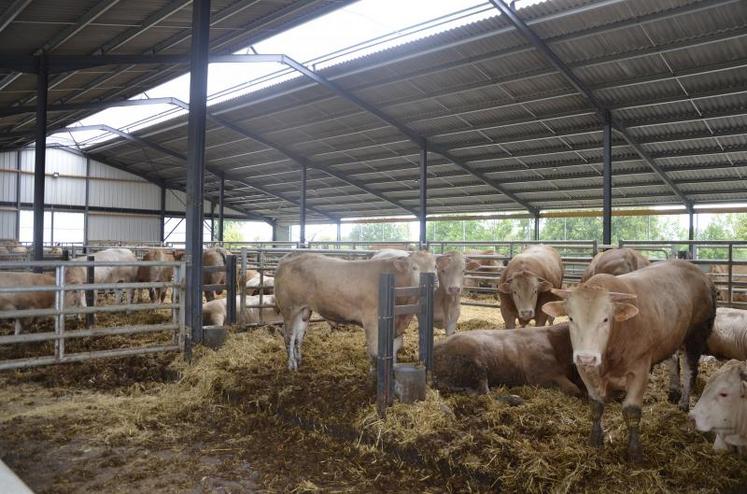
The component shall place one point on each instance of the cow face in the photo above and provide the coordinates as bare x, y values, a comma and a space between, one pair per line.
411, 266
591, 312
723, 401
450, 268
524, 288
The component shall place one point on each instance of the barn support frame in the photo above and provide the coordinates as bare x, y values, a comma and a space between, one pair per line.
196, 167
221, 204
19, 155
40, 152
162, 214
691, 232
88, 200
607, 179
536, 228
302, 207
423, 210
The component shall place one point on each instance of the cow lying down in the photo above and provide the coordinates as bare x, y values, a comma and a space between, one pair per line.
722, 408
479, 359
214, 312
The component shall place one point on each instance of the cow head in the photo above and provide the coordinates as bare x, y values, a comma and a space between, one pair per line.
591, 311
524, 287
722, 405
450, 269
408, 268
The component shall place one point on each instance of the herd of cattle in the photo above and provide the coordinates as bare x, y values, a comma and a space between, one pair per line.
625, 316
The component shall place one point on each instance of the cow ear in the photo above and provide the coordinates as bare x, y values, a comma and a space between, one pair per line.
544, 285
622, 297
561, 292
473, 265
555, 309
624, 311
504, 288
443, 261
401, 265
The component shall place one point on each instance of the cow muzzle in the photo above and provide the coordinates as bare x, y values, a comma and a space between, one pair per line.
587, 359
526, 314
454, 290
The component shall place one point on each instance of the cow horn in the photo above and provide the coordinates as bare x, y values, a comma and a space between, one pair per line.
622, 297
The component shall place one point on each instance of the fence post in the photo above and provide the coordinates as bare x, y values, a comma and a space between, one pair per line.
59, 322
385, 353
231, 289
425, 321
90, 294
179, 290
242, 288
261, 265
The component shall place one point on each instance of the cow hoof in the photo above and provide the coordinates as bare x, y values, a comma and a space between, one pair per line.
684, 405
597, 439
675, 395
635, 455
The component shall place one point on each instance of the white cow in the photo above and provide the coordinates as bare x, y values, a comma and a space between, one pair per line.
214, 312
110, 274
722, 408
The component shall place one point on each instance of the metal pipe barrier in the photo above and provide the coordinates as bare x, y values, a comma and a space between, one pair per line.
59, 310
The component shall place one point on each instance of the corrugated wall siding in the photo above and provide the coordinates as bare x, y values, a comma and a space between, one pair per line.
118, 227
7, 224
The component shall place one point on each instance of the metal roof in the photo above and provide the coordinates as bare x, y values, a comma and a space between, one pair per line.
506, 129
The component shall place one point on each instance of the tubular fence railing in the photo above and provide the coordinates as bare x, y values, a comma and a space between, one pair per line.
59, 310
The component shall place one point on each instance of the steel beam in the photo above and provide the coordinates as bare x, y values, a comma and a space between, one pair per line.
40, 155
196, 164
579, 85
221, 204
691, 231
423, 211
88, 200
607, 179
11, 12
162, 214
302, 208
412, 135
536, 228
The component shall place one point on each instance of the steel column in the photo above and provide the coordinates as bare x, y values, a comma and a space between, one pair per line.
18, 194
339, 232
221, 204
42, 81
196, 164
212, 221
691, 232
607, 179
302, 208
537, 228
385, 351
423, 211
88, 200
162, 216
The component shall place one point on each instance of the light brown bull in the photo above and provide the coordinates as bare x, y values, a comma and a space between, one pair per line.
615, 262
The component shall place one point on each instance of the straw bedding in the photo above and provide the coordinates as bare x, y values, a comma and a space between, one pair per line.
237, 421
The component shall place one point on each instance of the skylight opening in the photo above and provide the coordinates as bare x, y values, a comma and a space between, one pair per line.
354, 31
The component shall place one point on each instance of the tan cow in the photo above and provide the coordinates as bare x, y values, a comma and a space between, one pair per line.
341, 291
253, 281
214, 312
616, 262
33, 300
488, 268
483, 358
720, 275
729, 337
722, 408
156, 273
110, 274
623, 325
525, 285
447, 298
214, 257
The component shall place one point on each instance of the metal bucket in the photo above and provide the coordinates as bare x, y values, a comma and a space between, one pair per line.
214, 337
409, 382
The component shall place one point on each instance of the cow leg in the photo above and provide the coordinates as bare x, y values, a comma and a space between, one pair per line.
636, 384
695, 346
397, 345
719, 444
291, 332
18, 326
567, 386
675, 385
509, 317
597, 432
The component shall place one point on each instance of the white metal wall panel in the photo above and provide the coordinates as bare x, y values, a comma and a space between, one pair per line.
124, 194
100, 170
7, 224
124, 227
65, 190
8, 178
65, 163
175, 200
8, 160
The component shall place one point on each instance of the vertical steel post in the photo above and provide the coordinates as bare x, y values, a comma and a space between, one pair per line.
607, 179
88, 200
42, 83
425, 321
231, 289
339, 233
537, 228
18, 194
51, 225
730, 280
691, 232
242, 278
59, 320
163, 214
196, 164
221, 198
423, 210
212, 221
302, 208
385, 352
90, 294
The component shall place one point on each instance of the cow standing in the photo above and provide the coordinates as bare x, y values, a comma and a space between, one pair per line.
341, 291
525, 285
447, 299
479, 359
615, 262
157, 273
110, 274
214, 257
622, 326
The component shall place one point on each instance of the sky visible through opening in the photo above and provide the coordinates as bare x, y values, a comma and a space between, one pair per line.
351, 32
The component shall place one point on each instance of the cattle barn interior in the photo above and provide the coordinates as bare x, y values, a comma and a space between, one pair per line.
502, 110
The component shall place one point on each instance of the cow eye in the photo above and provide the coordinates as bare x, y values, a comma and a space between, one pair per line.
606, 319
570, 319
723, 394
